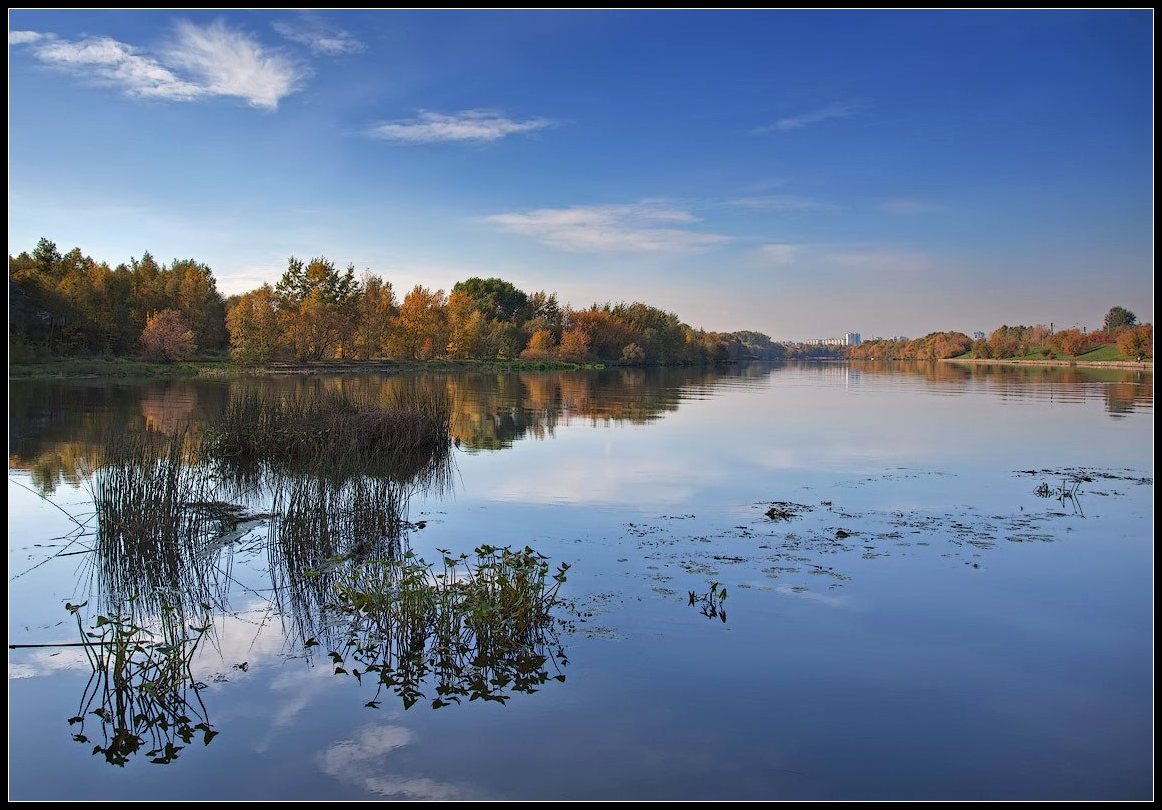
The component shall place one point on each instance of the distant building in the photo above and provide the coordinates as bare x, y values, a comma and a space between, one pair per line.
978, 335
849, 339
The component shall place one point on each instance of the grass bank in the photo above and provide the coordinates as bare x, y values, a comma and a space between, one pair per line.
1083, 361
123, 367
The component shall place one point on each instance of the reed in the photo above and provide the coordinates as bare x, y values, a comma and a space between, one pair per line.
306, 430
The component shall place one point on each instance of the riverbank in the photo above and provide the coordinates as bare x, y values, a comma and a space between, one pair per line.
223, 368
1147, 365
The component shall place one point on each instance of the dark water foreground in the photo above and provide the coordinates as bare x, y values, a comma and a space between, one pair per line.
817, 582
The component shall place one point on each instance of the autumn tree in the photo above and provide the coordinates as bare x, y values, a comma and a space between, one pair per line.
469, 334
253, 323
1071, 341
377, 309
147, 291
420, 330
317, 308
190, 288
541, 346
167, 337
1136, 341
574, 344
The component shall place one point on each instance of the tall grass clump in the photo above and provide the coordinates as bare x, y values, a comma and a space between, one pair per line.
330, 429
154, 519
475, 629
318, 526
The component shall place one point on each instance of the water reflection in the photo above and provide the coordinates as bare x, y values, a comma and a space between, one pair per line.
141, 691
1123, 390
173, 503
55, 427
922, 576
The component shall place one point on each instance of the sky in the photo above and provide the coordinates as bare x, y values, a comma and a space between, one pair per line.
803, 174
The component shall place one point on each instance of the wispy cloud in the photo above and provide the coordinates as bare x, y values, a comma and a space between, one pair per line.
25, 37
639, 228
780, 202
360, 762
108, 61
201, 62
779, 253
909, 206
469, 125
232, 63
323, 38
843, 109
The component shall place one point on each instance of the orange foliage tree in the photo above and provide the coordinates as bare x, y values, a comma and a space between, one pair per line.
167, 337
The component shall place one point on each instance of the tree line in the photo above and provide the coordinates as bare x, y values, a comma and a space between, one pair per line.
73, 305
1120, 328
70, 304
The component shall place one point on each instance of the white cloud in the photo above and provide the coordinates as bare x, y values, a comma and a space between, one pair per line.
470, 125
845, 109
106, 60
610, 228
26, 37
355, 762
780, 202
778, 253
232, 63
201, 62
320, 36
909, 206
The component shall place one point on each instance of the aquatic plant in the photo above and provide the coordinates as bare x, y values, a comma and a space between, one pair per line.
142, 690
712, 603
477, 629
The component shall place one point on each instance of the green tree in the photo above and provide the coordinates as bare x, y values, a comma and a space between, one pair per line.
1118, 317
496, 298
46, 257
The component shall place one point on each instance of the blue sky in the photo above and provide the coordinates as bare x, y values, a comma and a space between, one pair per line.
799, 173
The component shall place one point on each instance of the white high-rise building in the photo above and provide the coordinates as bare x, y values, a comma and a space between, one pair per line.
852, 339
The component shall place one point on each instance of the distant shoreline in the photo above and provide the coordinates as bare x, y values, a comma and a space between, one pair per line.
1146, 365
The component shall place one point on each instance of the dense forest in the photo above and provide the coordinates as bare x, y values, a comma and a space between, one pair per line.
72, 305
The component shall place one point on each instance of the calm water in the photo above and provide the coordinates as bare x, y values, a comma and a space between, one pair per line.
923, 625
